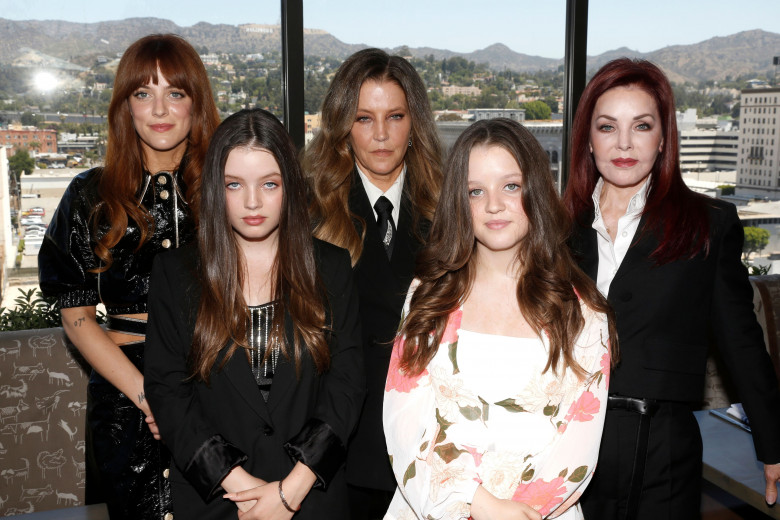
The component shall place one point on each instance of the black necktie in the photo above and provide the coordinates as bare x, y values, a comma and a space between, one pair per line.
384, 211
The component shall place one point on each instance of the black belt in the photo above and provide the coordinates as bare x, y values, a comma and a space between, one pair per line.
646, 408
132, 326
632, 404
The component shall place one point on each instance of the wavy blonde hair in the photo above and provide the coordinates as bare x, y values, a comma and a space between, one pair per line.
329, 162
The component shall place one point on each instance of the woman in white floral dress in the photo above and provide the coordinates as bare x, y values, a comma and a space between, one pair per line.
496, 393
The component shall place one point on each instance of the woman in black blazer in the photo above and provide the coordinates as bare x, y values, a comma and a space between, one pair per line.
254, 370
377, 145
668, 260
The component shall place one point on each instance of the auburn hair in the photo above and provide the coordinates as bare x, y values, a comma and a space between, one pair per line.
549, 286
223, 313
673, 213
329, 161
124, 172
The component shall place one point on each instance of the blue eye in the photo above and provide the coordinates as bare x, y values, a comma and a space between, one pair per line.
476, 192
512, 187
233, 185
270, 185
643, 126
140, 94
606, 128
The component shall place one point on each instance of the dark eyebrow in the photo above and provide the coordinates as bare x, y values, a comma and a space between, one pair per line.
641, 116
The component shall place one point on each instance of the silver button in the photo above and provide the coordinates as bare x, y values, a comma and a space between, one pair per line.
166, 472
162, 179
166, 244
168, 516
164, 194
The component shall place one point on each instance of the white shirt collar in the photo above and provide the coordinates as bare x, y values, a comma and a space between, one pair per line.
393, 193
635, 206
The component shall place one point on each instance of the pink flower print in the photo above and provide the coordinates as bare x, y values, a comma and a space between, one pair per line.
584, 408
396, 378
542, 496
605, 368
477, 456
453, 324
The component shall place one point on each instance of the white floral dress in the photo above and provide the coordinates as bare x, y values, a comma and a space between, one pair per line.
483, 413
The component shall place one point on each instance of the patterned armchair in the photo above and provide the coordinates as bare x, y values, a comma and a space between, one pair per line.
43, 399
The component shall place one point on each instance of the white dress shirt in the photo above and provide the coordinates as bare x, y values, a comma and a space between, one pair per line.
611, 253
393, 193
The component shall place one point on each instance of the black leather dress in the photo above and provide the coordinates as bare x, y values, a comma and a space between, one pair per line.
126, 467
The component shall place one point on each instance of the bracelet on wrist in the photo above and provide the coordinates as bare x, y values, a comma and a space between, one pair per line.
284, 502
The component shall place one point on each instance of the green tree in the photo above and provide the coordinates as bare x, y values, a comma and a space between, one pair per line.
449, 116
756, 239
30, 119
537, 110
726, 189
551, 102
21, 162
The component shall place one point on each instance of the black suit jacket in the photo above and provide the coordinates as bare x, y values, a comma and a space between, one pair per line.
668, 315
382, 285
210, 429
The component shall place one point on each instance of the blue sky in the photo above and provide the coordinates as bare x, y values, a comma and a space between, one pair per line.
529, 26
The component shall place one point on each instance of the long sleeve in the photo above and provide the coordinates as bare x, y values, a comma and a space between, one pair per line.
438, 477
739, 338
321, 444
554, 480
454, 426
203, 455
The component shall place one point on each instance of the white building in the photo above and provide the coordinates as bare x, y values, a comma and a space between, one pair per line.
708, 150
758, 169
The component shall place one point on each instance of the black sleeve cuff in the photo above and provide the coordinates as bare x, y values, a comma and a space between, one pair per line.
318, 446
210, 464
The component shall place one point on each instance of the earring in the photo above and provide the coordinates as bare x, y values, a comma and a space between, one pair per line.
410, 142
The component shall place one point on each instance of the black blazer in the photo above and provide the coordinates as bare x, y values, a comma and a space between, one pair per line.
211, 429
668, 315
382, 285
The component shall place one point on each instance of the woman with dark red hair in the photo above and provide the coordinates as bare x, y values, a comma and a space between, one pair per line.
668, 261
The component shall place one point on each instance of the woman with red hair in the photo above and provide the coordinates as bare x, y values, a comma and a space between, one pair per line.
99, 248
668, 261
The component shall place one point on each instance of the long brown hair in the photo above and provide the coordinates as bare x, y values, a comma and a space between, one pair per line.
549, 280
223, 313
328, 160
674, 214
123, 173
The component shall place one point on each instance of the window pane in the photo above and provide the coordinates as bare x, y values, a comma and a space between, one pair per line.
503, 55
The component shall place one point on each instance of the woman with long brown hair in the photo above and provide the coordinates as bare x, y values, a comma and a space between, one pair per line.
496, 393
375, 172
669, 261
99, 248
254, 364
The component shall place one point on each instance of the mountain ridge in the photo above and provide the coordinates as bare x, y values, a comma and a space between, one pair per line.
717, 58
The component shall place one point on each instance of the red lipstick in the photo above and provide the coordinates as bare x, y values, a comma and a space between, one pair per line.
622, 162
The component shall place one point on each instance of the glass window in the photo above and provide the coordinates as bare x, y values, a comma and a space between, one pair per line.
239, 42
509, 55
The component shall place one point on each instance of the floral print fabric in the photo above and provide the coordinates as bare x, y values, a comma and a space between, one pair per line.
484, 413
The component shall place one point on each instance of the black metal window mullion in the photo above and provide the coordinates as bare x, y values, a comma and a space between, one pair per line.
292, 69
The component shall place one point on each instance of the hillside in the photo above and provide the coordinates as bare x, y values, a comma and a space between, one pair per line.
714, 59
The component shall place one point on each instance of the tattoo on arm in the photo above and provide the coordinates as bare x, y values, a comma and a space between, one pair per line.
141, 398
79, 322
